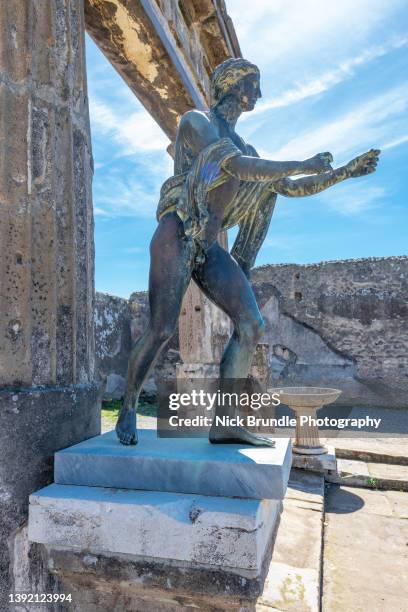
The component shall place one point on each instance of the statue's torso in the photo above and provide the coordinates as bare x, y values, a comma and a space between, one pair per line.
198, 169
185, 156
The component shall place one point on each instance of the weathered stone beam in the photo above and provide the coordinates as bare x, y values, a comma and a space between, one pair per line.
165, 51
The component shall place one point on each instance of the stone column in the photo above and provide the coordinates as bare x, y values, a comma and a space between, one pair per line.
48, 397
204, 329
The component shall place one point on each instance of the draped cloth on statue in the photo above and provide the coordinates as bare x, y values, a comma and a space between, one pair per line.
251, 208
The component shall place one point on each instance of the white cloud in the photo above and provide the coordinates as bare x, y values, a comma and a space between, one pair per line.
306, 48
327, 79
368, 125
100, 212
395, 143
135, 135
132, 132
351, 199
288, 35
128, 196
285, 242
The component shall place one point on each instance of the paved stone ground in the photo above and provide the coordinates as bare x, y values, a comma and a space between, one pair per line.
365, 563
293, 580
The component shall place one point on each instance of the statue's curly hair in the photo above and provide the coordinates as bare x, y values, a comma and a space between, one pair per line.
228, 74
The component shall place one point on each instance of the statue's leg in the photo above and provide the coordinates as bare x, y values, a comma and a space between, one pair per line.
223, 281
170, 273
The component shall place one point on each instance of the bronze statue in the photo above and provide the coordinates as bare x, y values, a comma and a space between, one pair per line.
219, 181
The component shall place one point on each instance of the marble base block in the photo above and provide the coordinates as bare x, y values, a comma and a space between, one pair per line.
325, 462
233, 534
179, 465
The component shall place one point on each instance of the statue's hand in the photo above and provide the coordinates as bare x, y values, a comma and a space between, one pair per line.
318, 164
363, 164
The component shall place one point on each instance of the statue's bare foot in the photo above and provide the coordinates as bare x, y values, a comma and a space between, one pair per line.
126, 426
238, 435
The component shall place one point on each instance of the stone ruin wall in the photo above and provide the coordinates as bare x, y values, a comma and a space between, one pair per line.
118, 324
340, 323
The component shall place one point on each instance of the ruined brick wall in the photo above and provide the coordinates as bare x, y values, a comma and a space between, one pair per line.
112, 342
118, 324
339, 323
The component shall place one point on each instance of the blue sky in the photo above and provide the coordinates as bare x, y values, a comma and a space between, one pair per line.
334, 77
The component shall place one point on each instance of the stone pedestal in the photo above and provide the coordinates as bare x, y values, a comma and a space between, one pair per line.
48, 398
177, 515
324, 463
307, 441
180, 465
163, 526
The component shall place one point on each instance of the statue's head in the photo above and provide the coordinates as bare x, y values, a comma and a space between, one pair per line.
239, 78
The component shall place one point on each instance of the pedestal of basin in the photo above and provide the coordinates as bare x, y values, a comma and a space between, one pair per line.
306, 401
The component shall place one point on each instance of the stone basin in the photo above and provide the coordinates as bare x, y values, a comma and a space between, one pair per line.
305, 402
306, 397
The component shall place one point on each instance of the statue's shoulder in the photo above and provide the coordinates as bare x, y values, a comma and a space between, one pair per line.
195, 132
251, 151
194, 119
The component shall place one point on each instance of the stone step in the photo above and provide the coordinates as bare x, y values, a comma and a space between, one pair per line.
370, 475
388, 457
178, 465
385, 449
235, 534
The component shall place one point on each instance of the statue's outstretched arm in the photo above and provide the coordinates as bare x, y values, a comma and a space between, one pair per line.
256, 169
360, 166
197, 131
